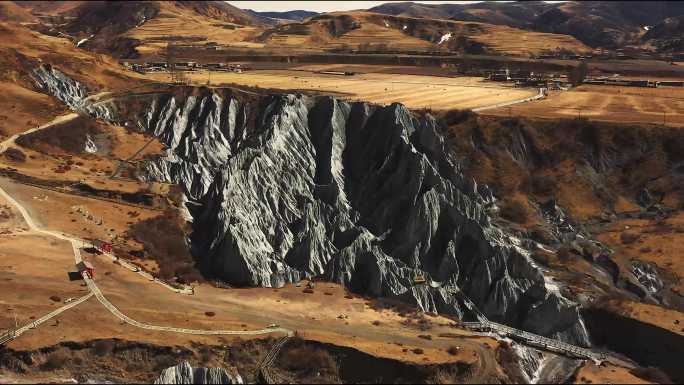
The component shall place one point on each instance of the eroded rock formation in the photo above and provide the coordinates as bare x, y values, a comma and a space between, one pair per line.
185, 374
289, 186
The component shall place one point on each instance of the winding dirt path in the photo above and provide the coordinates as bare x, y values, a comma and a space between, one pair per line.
95, 290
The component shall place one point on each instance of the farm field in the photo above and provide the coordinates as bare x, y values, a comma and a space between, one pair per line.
414, 91
607, 103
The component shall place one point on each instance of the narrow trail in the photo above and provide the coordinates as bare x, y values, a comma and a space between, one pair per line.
76, 243
95, 290
12, 140
51, 315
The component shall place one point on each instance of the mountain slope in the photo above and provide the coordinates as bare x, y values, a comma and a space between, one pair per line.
667, 36
10, 11
595, 23
51, 8
221, 10
514, 14
21, 50
384, 32
119, 27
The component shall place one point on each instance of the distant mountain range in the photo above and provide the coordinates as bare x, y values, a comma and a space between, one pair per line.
511, 28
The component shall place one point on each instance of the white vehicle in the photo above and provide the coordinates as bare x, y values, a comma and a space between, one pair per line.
68, 300
272, 326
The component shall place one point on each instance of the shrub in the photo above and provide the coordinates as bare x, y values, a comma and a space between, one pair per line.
425, 337
55, 298
209, 313
15, 155
376, 323
163, 238
564, 254
418, 351
652, 374
308, 358
628, 238
452, 117
542, 257
514, 211
446, 376
205, 354
103, 347
453, 350
55, 360
543, 185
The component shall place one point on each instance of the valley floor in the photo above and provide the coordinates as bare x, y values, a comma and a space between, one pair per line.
437, 90
414, 91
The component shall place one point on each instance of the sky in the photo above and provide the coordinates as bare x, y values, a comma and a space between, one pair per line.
323, 6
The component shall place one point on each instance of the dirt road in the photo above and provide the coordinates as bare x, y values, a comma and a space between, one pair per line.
75, 243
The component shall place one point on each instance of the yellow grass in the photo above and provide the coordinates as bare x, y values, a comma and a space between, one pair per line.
606, 374
609, 103
388, 30
414, 91
661, 317
174, 21
660, 245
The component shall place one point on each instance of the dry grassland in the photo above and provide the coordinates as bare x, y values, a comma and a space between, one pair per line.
513, 41
175, 21
658, 243
606, 374
23, 109
608, 103
661, 317
438, 93
35, 268
389, 31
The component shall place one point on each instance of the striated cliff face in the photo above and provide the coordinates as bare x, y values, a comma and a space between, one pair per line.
183, 373
285, 187
57, 84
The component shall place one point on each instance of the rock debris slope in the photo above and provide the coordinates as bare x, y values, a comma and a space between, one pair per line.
285, 187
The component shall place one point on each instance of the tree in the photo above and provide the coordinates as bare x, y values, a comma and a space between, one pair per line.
577, 74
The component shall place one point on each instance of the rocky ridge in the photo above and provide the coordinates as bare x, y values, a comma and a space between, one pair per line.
290, 186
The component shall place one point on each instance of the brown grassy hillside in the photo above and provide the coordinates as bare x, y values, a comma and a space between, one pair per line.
363, 30
21, 50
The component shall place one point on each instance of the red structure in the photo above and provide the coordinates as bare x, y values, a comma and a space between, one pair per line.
104, 247
85, 266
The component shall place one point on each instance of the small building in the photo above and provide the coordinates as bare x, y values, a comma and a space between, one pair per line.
215, 66
86, 267
499, 77
102, 246
160, 64
669, 83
